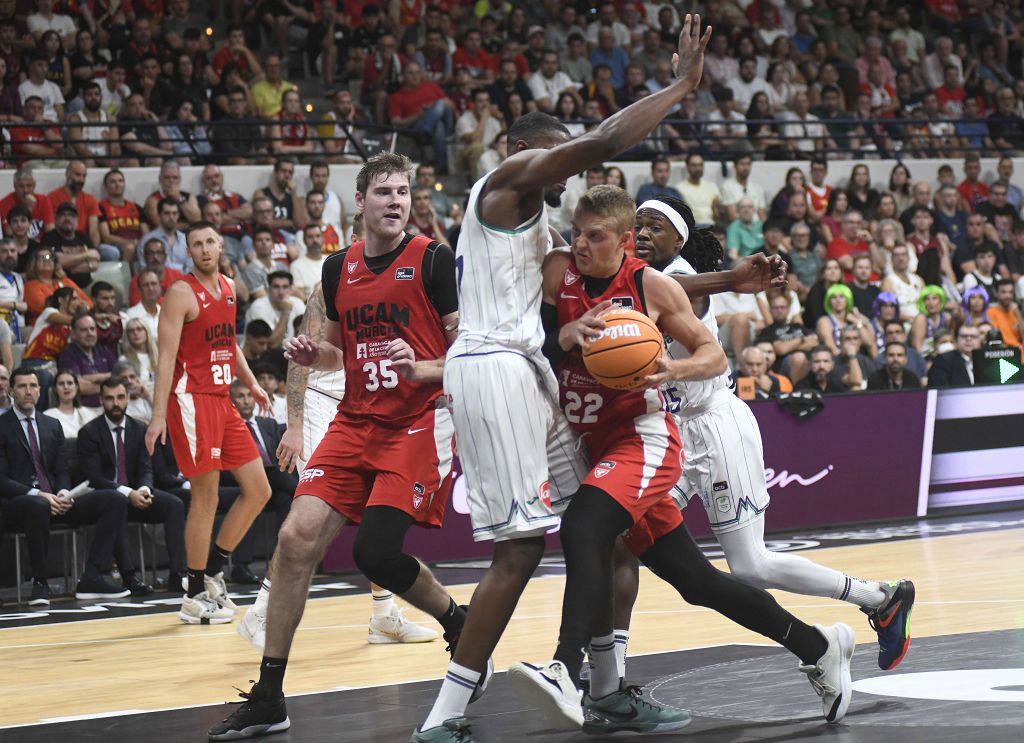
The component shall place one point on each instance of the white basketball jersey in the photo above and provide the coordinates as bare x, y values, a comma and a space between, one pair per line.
499, 280
683, 395
330, 383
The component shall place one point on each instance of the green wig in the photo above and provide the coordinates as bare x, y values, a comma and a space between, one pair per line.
928, 291
841, 289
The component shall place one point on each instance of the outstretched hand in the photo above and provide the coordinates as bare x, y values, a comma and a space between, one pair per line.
759, 272
302, 350
688, 63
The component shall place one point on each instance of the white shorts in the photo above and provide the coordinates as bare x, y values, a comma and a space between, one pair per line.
320, 409
723, 463
520, 458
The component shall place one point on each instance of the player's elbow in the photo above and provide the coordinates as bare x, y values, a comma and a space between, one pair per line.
718, 361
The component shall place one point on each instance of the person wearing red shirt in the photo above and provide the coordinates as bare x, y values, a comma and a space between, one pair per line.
289, 134
120, 219
971, 188
470, 55
28, 142
382, 75
87, 205
24, 193
236, 51
422, 105
951, 93
154, 253
852, 240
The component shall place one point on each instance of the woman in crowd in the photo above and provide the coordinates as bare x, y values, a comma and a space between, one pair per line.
763, 132
50, 336
840, 312
794, 183
87, 62
860, 195
516, 108
888, 235
784, 55
934, 320
975, 305
139, 347
66, 406
885, 209
899, 186
780, 89
189, 139
568, 111
59, 70
615, 177
43, 277
814, 307
495, 154
230, 79
10, 99
838, 205
191, 86
885, 308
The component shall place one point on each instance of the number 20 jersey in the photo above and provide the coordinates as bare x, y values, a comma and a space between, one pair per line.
587, 404
372, 310
205, 363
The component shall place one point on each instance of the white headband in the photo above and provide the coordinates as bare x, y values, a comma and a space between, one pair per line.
670, 214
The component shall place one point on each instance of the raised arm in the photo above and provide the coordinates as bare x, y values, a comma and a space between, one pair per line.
753, 274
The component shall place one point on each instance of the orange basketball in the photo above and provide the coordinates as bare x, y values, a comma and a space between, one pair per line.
627, 351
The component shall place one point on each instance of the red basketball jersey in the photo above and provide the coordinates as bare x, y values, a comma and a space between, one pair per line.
206, 353
373, 310
588, 405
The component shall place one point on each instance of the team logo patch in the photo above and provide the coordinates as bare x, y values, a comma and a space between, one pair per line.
720, 486
570, 278
231, 301
361, 351
202, 296
352, 266
603, 468
625, 303
214, 453
311, 474
545, 494
418, 492
406, 273
723, 503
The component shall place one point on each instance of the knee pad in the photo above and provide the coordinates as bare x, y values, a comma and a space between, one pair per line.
385, 564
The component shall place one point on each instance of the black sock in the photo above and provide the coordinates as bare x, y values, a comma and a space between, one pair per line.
572, 660
215, 562
453, 619
805, 642
272, 674
196, 585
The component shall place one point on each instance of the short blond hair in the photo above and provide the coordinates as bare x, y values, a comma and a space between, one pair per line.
611, 202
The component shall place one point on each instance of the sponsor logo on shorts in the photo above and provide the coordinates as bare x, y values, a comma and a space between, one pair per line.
405, 273
214, 453
311, 473
352, 266
625, 303
720, 486
571, 278
545, 494
723, 503
603, 468
418, 491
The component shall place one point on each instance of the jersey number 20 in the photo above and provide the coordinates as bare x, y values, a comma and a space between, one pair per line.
380, 375
221, 373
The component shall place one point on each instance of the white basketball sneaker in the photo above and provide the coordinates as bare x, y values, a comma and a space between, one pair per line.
202, 609
830, 676
396, 628
253, 627
550, 691
218, 590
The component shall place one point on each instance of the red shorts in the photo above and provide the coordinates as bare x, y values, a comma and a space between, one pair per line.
359, 463
638, 465
208, 434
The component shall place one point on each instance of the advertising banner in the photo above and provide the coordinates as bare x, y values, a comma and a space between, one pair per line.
858, 460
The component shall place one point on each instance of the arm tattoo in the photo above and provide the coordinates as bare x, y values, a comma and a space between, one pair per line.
313, 323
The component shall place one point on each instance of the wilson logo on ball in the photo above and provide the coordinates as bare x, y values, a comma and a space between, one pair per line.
626, 352
631, 330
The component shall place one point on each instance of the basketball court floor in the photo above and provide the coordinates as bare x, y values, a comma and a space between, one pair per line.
128, 671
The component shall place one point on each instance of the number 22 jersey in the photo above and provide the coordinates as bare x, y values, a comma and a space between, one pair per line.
377, 299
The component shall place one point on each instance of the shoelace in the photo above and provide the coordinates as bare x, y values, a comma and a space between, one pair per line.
461, 731
247, 697
815, 678
637, 693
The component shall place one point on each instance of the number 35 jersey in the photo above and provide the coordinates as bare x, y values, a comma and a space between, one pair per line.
205, 363
588, 405
378, 299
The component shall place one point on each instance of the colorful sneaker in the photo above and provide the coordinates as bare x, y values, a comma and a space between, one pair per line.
218, 590
396, 628
892, 623
455, 730
260, 714
627, 710
830, 676
253, 627
550, 690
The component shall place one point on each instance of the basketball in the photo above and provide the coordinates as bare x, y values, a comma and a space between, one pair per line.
627, 351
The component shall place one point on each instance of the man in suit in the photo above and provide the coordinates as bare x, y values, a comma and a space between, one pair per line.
34, 485
112, 455
894, 374
267, 433
956, 368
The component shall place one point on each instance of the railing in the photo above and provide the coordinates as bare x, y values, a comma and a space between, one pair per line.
781, 139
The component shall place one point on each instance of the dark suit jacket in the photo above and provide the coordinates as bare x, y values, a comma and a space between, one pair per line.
97, 458
271, 431
879, 380
949, 370
166, 474
16, 470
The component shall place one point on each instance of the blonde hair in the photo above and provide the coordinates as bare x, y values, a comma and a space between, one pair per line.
130, 353
611, 202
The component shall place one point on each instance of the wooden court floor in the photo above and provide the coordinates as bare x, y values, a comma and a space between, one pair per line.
965, 583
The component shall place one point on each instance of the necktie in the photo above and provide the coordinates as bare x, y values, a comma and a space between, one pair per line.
259, 445
42, 481
122, 460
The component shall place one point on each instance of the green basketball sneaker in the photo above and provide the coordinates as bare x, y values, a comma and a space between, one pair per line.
627, 710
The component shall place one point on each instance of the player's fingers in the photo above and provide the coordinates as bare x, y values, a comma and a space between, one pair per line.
705, 39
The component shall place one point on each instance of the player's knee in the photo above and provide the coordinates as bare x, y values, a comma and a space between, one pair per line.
296, 542
518, 558
385, 564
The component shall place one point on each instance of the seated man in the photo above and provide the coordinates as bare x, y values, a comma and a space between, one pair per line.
956, 368
894, 374
34, 493
821, 376
754, 382
112, 455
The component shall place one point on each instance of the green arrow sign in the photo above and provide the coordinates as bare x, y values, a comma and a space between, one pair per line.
1006, 371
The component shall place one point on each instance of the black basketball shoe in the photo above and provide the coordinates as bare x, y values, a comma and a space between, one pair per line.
260, 714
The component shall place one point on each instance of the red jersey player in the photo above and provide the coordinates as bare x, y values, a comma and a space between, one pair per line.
198, 361
385, 461
633, 448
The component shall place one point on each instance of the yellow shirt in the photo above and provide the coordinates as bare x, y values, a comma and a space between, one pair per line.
267, 97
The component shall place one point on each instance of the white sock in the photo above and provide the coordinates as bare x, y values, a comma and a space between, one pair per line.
456, 689
864, 593
621, 643
263, 597
604, 675
383, 602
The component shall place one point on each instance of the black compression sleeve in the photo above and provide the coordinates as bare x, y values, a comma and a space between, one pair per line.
552, 349
330, 280
439, 278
